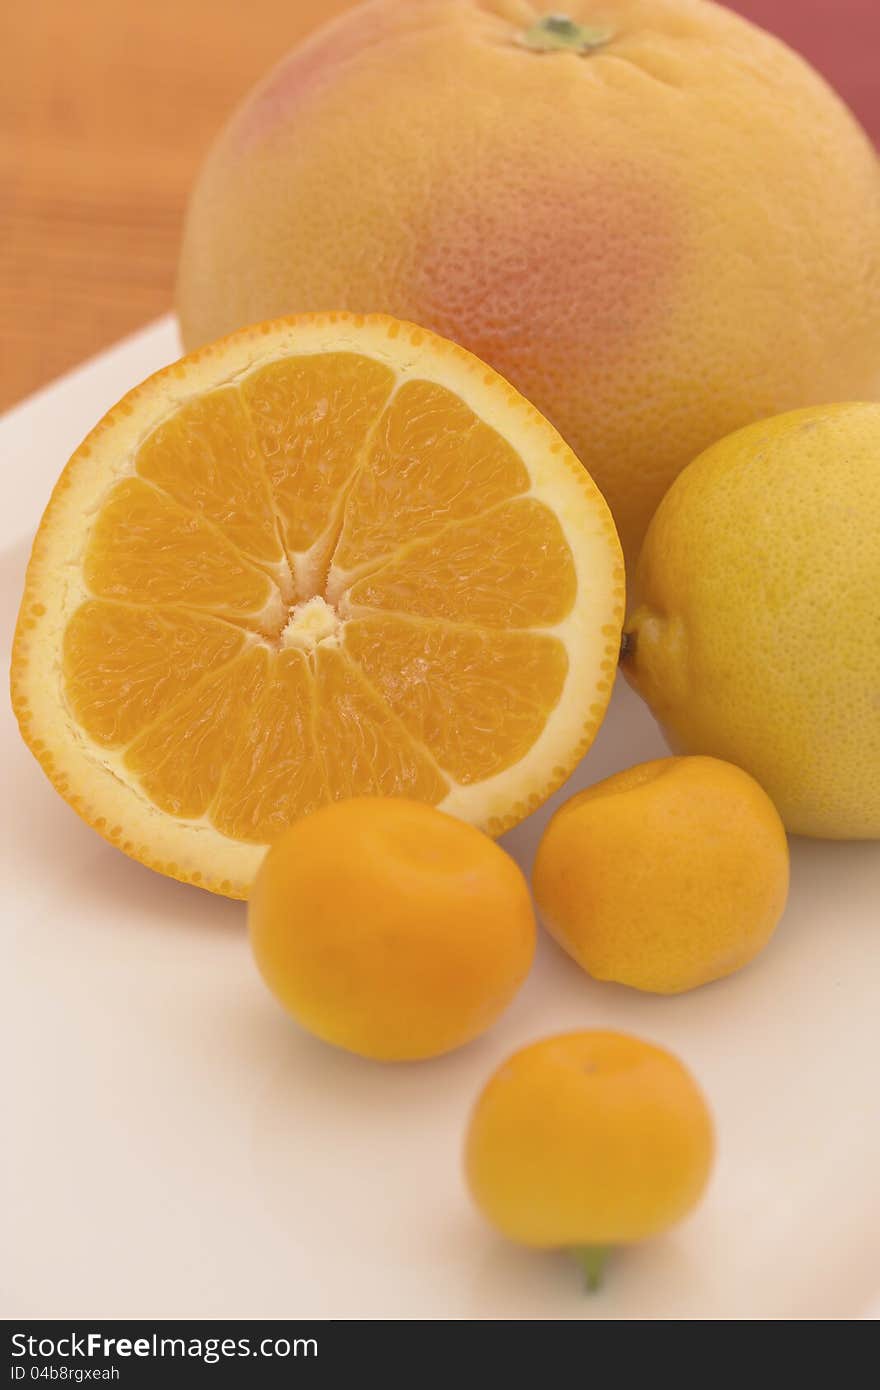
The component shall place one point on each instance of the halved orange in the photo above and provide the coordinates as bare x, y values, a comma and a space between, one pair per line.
327, 556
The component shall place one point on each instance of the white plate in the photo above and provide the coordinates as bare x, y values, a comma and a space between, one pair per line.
176, 1148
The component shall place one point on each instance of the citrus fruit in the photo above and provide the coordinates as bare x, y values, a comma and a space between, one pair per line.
754, 633
390, 929
665, 876
327, 556
654, 219
588, 1140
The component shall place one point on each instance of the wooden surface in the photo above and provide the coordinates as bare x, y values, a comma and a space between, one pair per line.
106, 108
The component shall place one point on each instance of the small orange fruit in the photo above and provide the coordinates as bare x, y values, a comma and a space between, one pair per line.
326, 557
588, 1140
665, 876
390, 929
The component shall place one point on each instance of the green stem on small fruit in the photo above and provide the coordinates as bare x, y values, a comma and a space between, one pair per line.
557, 33
591, 1259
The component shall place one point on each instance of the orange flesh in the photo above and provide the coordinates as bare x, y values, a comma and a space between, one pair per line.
195, 667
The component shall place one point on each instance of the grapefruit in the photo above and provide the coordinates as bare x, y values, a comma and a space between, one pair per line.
653, 218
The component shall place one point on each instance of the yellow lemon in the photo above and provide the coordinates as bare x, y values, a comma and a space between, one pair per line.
755, 634
665, 876
391, 929
588, 1140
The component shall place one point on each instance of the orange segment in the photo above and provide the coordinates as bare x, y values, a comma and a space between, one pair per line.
524, 578
206, 457
430, 673
365, 751
143, 548
328, 557
122, 668
312, 416
180, 760
273, 774
432, 461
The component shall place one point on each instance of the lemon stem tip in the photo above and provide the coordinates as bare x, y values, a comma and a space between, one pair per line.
591, 1259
